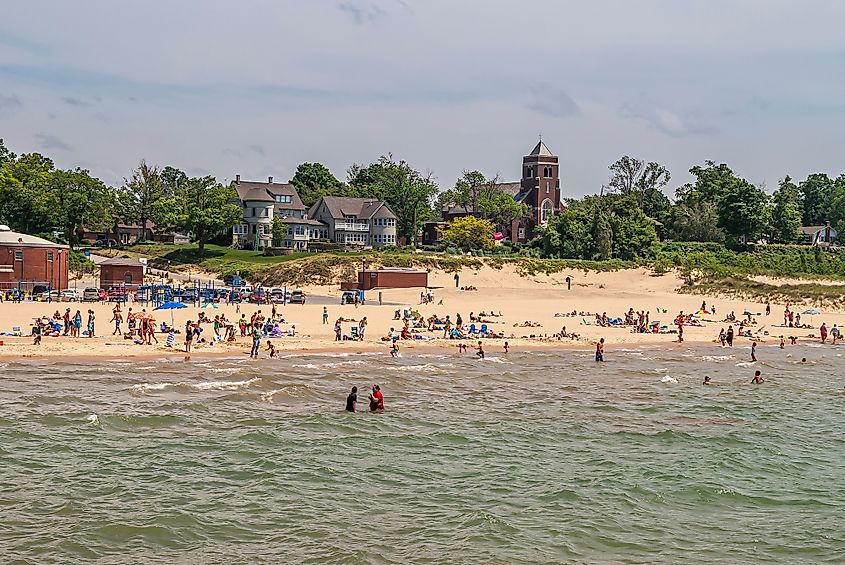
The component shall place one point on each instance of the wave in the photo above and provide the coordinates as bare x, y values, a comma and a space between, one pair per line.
143, 388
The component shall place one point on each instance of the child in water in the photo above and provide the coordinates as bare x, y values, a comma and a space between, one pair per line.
394, 350
479, 351
271, 348
506, 347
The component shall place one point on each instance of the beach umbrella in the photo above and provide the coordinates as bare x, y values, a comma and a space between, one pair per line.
210, 305
170, 306
811, 312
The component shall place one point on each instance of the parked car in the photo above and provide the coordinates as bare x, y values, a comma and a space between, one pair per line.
297, 297
105, 243
70, 295
39, 289
52, 295
92, 294
348, 297
277, 295
117, 293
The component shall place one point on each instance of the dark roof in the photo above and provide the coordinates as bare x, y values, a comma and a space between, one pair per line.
511, 188
342, 206
813, 230
541, 149
267, 191
123, 261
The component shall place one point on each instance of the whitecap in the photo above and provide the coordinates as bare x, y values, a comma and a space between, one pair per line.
667, 379
746, 364
146, 387
717, 358
224, 385
92, 419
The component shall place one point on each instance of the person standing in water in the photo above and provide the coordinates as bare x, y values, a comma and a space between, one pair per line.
754, 352
507, 348
352, 400
376, 399
394, 350
823, 332
256, 340
479, 351
189, 336
600, 351
729, 336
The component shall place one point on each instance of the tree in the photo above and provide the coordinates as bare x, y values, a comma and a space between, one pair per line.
483, 198
837, 206
406, 192
695, 220
24, 189
786, 212
173, 181
816, 193
633, 176
6, 156
202, 210
78, 201
469, 232
313, 180
142, 191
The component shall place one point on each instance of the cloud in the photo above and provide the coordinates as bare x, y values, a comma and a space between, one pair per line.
70, 100
49, 141
257, 149
15, 42
362, 14
9, 103
666, 120
552, 102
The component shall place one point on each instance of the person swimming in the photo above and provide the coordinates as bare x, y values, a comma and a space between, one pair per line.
707, 381
758, 379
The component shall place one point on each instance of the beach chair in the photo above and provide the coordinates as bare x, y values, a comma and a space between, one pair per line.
484, 330
171, 339
354, 332
472, 329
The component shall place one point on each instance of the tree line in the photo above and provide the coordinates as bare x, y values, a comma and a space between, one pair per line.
620, 222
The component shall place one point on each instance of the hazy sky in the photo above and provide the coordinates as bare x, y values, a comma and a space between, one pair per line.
257, 86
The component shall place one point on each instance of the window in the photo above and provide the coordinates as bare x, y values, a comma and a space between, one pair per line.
240, 229
283, 199
49, 255
548, 184
545, 211
521, 233
127, 278
18, 255
254, 212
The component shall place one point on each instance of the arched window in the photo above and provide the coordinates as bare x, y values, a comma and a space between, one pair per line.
545, 211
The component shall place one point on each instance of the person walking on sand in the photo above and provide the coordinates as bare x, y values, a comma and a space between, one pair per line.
189, 335
823, 332
325, 316
91, 323
754, 352
600, 351
722, 336
66, 321
77, 324
338, 330
362, 327
117, 318
768, 308
457, 280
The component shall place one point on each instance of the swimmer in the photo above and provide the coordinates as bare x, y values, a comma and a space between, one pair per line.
506, 347
376, 399
803, 359
352, 400
707, 381
757, 380
479, 351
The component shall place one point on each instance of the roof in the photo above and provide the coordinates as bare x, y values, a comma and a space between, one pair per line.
363, 208
267, 191
813, 230
302, 221
9, 237
123, 262
511, 188
541, 149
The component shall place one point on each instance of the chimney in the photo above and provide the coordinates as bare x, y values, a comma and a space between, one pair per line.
270, 180
237, 179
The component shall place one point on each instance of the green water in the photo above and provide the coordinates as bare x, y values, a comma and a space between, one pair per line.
525, 458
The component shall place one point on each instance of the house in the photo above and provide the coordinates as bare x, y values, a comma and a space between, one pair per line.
128, 233
357, 222
301, 231
121, 271
27, 261
822, 236
261, 203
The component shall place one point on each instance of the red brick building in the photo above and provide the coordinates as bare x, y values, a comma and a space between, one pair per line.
27, 261
392, 278
121, 271
540, 189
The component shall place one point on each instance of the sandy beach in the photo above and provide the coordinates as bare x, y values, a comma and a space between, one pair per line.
539, 299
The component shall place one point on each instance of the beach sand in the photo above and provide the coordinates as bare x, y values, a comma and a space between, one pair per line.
534, 298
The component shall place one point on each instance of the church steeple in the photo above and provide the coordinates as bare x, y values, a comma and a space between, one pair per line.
541, 183
541, 150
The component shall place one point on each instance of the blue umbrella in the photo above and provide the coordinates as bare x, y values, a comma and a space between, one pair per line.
170, 306
811, 312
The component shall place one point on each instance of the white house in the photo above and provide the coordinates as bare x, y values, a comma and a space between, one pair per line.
356, 221
261, 202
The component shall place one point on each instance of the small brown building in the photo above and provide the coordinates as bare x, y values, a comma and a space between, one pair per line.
27, 261
392, 278
121, 271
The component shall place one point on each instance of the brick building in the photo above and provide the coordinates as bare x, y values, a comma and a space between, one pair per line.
121, 271
27, 261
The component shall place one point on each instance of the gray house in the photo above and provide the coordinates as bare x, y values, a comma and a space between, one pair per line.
261, 202
356, 221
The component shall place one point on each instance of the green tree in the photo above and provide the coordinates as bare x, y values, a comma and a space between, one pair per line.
406, 191
633, 176
5, 155
202, 210
469, 232
817, 195
483, 198
837, 206
142, 193
695, 220
79, 200
173, 181
786, 212
313, 180
24, 189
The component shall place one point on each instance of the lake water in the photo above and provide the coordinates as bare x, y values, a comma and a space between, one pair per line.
541, 457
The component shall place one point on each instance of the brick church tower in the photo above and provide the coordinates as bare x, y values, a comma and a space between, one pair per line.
540, 189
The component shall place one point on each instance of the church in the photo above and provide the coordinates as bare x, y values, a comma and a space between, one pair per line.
539, 188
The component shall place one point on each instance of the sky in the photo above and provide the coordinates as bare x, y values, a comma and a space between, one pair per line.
256, 87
